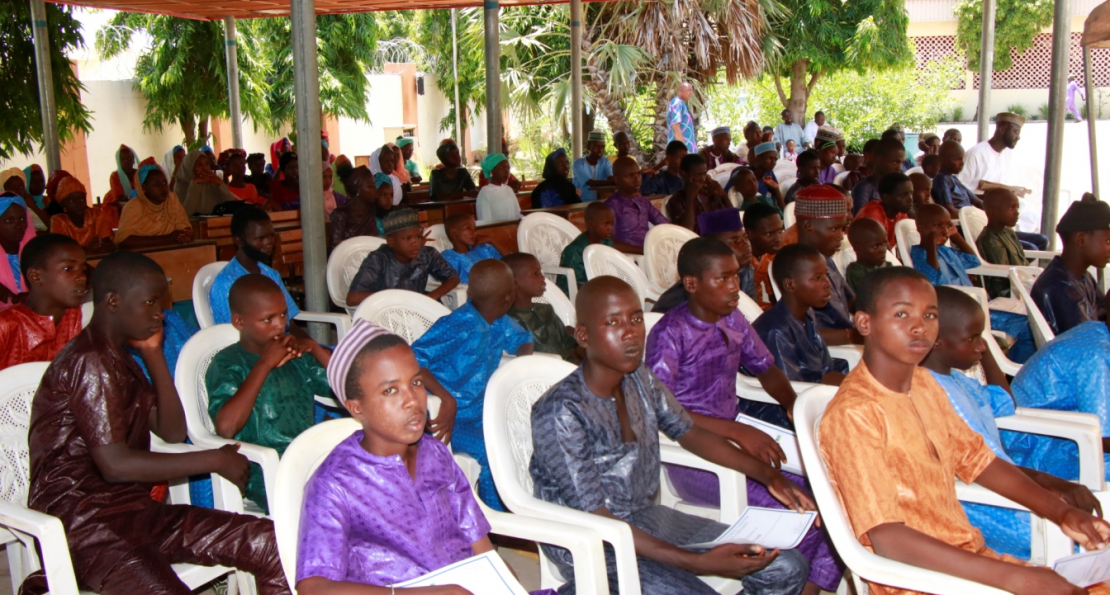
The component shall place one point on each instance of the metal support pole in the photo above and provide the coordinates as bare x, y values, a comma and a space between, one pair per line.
576, 78
986, 68
306, 89
47, 108
493, 78
234, 114
1091, 115
1061, 40
455, 72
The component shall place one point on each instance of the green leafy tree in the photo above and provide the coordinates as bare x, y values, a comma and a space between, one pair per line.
21, 126
810, 40
1016, 23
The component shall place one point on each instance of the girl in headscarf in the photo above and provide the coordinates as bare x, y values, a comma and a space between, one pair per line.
382, 161
123, 181
359, 216
236, 176
52, 185
36, 184
452, 181
332, 199
399, 164
13, 180
172, 160
342, 168
87, 225
497, 200
277, 149
555, 189
205, 188
285, 188
15, 232
155, 217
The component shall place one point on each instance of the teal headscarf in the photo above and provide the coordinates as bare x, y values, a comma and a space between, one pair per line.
123, 179
381, 179
27, 178
491, 161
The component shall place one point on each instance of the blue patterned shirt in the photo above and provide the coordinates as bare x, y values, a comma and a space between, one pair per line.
584, 172
462, 262
678, 113
221, 288
797, 347
953, 265
949, 190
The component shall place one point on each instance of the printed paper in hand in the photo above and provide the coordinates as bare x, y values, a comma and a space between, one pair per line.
1085, 569
483, 574
771, 528
788, 442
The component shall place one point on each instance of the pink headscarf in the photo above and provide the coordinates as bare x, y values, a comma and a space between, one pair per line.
399, 167
7, 276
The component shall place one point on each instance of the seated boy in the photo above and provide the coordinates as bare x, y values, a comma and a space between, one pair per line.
631, 211
666, 180
930, 166
809, 172
868, 239
37, 328
998, 243
789, 328
693, 351
550, 333
887, 156
262, 389
765, 230
894, 204
466, 250
91, 464
1066, 291
459, 354
404, 262
599, 230
891, 431
699, 194
595, 438
365, 518
725, 226
948, 190
746, 185
922, 189
959, 348
823, 216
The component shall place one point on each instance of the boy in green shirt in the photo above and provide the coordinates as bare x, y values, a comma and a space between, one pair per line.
599, 230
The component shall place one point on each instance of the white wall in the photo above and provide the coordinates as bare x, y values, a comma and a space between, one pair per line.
384, 105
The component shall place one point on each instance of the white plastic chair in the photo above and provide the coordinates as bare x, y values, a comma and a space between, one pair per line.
344, 262
21, 527
86, 313
840, 177
788, 217
544, 236
1021, 280
1008, 366
722, 173
661, 246
402, 312
202, 307
906, 236
915, 170
559, 302
601, 260
309, 450
1048, 542
437, 234
973, 220
507, 420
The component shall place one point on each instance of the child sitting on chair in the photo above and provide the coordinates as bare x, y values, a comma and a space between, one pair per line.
460, 353
890, 431
631, 211
1066, 292
809, 173
92, 466
595, 438
465, 249
922, 190
959, 348
36, 329
262, 389
747, 186
868, 240
765, 233
948, 190
789, 328
998, 243
404, 262
551, 334
599, 230
894, 204
497, 200
365, 519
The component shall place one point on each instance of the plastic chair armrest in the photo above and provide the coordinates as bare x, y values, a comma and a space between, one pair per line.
585, 546
1075, 417
852, 353
341, 322
734, 485
749, 388
978, 494
1041, 254
572, 280
226, 495
1087, 437
52, 544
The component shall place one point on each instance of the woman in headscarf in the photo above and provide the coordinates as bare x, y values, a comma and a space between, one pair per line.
36, 185
399, 164
86, 224
452, 181
342, 168
172, 160
285, 188
15, 232
277, 149
52, 185
555, 189
332, 199
123, 181
13, 180
382, 161
205, 188
155, 217
359, 216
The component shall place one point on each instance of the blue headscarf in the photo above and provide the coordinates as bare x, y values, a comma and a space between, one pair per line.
145, 171
125, 181
27, 178
381, 179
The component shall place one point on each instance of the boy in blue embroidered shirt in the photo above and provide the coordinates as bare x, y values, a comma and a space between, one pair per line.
465, 251
459, 354
948, 190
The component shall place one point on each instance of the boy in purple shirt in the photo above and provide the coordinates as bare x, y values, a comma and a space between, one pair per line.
632, 211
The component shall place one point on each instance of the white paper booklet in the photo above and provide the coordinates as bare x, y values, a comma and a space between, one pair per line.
482, 574
771, 528
788, 442
1085, 569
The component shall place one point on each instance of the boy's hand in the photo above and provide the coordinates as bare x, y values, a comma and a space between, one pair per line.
1039, 580
790, 494
1074, 494
303, 345
1089, 531
444, 424
234, 467
151, 343
734, 560
758, 444
278, 351
769, 180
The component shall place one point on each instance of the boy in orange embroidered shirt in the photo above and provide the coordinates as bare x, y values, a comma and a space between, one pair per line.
891, 431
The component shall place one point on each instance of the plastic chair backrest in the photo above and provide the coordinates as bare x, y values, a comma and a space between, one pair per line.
905, 236
722, 173
972, 222
86, 313
650, 320
661, 246
438, 235
192, 366
405, 313
840, 177
344, 262
917, 169
1021, 280
544, 236
202, 307
748, 307
559, 302
19, 385
601, 260
788, 217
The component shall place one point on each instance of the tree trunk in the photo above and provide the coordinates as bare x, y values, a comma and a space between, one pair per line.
202, 131
662, 101
801, 86
189, 127
589, 119
609, 105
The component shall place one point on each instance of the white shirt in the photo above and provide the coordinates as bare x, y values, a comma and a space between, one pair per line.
497, 203
982, 162
811, 131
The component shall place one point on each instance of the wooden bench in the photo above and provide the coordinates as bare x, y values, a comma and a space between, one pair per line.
180, 262
219, 229
502, 234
